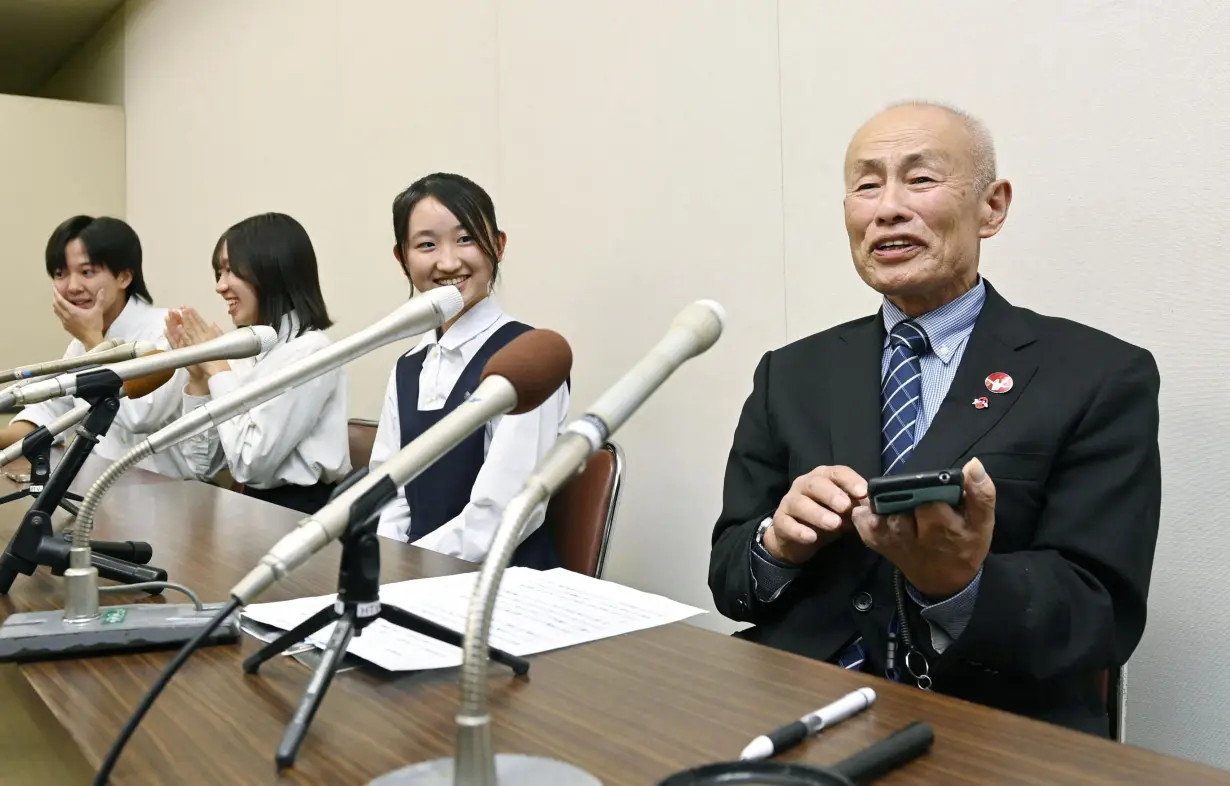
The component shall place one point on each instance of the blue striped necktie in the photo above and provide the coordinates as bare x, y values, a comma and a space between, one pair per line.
900, 408
901, 395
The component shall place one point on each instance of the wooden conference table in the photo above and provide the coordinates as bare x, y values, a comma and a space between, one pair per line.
630, 710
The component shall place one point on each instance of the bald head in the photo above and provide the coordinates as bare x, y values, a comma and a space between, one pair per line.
921, 196
973, 137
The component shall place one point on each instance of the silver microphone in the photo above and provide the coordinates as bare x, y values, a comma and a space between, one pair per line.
474, 763
55, 428
517, 379
111, 351
103, 347
421, 313
243, 343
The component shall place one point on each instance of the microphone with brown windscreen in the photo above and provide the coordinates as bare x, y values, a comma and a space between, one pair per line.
143, 386
533, 363
518, 378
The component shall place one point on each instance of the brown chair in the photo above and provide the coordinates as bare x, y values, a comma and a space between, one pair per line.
580, 515
362, 434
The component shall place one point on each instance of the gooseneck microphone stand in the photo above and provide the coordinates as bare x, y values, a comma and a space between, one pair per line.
357, 606
35, 542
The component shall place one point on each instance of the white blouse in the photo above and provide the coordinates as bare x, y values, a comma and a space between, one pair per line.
513, 444
137, 418
298, 438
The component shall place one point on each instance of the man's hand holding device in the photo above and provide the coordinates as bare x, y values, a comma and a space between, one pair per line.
939, 547
814, 513
935, 526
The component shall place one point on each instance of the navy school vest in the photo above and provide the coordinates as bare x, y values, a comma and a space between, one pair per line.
442, 491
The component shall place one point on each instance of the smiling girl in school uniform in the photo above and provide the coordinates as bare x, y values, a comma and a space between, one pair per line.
446, 234
293, 449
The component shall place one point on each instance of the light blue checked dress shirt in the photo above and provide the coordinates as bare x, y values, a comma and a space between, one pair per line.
949, 328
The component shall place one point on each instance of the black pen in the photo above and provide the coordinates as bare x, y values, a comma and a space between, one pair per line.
786, 737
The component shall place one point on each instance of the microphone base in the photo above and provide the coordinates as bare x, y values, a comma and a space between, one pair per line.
511, 769
44, 635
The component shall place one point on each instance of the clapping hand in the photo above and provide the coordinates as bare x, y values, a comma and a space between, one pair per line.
185, 328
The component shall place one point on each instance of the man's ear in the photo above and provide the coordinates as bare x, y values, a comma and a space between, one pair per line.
995, 203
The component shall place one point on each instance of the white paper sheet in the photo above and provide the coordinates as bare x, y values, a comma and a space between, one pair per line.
537, 611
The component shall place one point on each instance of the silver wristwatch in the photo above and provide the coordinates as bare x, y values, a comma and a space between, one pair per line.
760, 530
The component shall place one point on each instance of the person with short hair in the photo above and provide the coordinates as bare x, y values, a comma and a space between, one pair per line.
98, 293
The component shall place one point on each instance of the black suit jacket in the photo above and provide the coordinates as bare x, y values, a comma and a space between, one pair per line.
1073, 452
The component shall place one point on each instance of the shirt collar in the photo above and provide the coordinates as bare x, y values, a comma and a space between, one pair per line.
469, 325
130, 320
947, 325
288, 326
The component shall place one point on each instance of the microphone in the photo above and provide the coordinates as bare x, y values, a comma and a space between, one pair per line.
108, 344
110, 351
426, 312
694, 330
243, 343
134, 388
517, 379
418, 315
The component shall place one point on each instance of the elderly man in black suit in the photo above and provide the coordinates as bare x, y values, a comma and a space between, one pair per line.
1025, 593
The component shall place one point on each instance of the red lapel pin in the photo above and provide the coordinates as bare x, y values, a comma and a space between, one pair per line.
999, 382
981, 402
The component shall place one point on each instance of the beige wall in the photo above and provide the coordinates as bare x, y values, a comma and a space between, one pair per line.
645, 153
56, 159
96, 70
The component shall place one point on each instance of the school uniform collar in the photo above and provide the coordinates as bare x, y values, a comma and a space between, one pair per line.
288, 328
470, 325
131, 320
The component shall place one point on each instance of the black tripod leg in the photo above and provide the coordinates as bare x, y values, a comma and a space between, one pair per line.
69, 507
315, 693
10, 566
404, 619
16, 495
291, 637
74, 497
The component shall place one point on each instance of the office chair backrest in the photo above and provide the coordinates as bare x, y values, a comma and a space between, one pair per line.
580, 515
362, 434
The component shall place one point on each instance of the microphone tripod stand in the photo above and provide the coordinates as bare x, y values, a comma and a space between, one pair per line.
35, 542
36, 448
357, 606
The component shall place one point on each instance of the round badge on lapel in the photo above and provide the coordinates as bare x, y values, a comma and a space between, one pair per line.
999, 382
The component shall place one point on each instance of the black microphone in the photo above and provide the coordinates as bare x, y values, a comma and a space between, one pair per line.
134, 551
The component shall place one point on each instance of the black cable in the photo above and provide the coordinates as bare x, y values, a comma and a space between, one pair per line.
117, 747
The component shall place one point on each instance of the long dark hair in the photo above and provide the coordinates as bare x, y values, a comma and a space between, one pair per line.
465, 199
274, 254
109, 243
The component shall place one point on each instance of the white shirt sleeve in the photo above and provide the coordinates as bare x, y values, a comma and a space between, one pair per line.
202, 452
395, 518
517, 444
257, 442
44, 412
151, 412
